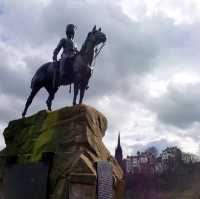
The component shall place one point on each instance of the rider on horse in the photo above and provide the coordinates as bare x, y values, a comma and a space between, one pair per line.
44, 76
69, 51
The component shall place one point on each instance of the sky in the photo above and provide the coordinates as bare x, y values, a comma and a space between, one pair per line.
146, 80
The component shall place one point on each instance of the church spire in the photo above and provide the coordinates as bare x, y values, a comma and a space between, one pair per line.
119, 140
118, 151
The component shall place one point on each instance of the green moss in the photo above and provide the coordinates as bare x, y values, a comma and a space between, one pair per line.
50, 120
43, 143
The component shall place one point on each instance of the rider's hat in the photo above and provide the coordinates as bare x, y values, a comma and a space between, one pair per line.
70, 30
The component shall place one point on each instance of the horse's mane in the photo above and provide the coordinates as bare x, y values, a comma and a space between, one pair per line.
83, 51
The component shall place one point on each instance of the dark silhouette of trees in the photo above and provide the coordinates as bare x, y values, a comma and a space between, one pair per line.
153, 150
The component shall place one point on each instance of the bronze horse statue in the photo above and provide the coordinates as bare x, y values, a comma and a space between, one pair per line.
79, 75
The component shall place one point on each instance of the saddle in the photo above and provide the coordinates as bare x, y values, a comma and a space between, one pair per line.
70, 70
67, 75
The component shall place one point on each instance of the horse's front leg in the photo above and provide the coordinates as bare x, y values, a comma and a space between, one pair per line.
84, 86
82, 92
75, 92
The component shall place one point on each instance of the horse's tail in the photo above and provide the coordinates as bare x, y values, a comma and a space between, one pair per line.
40, 75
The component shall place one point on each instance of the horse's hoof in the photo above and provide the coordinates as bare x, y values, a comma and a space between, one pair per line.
48, 107
23, 115
74, 103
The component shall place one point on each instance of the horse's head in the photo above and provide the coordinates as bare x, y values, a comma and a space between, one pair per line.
96, 36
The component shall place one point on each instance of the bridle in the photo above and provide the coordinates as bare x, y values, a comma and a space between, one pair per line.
96, 53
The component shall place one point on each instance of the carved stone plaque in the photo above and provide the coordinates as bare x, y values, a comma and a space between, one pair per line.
104, 180
26, 181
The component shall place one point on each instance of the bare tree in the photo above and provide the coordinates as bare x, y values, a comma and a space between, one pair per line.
153, 150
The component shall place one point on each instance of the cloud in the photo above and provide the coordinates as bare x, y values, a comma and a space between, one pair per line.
179, 105
180, 11
145, 80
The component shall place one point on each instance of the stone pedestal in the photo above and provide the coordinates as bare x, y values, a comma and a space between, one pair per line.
69, 141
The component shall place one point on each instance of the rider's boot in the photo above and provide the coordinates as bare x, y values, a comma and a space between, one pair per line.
87, 87
62, 70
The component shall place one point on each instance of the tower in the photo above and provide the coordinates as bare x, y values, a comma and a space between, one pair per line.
118, 152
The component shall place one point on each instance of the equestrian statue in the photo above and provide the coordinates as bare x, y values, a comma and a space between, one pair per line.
74, 67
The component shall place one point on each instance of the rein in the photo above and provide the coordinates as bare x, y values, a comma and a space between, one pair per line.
97, 51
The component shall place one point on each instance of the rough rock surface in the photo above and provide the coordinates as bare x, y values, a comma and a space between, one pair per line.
75, 135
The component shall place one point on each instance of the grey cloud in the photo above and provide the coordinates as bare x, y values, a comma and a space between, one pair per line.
127, 49
179, 106
133, 50
159, 144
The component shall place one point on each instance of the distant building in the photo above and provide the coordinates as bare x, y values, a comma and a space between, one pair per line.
189, 158
186, 158
147, 163
158, 166
119, 153
132, 164
171, 158
142, 163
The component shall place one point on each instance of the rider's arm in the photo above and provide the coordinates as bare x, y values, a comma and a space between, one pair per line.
57, 49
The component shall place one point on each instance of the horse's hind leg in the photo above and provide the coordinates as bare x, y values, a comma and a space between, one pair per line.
51, 92
49, 100
30, 99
